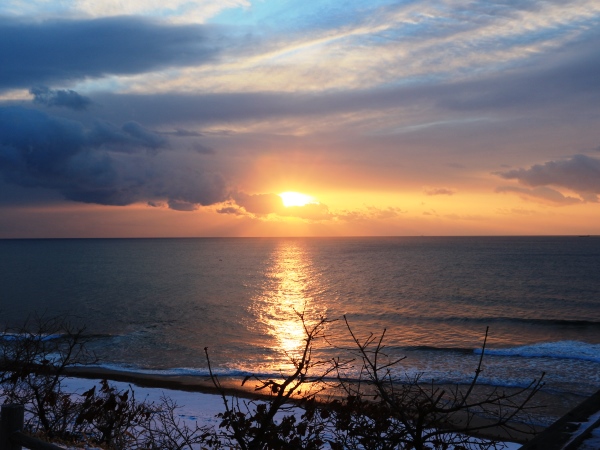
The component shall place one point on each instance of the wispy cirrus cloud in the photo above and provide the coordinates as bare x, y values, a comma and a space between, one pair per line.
388, 43
556, 80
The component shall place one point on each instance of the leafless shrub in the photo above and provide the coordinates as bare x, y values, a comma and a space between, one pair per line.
166, 430
376, 411
33, 361
381, 411
272, 422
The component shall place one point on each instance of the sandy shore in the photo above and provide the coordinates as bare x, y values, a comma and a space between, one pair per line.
231, 385
548, 405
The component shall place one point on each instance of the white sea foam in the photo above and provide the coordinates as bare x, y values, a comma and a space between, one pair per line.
561, 349
179, 371
21, 336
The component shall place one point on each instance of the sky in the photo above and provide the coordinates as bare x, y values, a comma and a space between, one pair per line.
183, 118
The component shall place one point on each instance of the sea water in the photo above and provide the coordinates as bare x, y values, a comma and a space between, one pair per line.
153, 305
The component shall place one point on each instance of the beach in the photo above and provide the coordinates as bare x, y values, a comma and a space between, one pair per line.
199, 402
199, 394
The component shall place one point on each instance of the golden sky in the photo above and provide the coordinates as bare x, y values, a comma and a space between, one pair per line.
179, 118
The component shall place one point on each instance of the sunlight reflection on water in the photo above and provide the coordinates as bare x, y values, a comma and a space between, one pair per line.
291, 278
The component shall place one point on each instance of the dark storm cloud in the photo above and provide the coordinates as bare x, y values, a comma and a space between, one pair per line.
49, 52
128, 138
180, 132
65, 98
182, 206
580, 173
104, 164
134, 132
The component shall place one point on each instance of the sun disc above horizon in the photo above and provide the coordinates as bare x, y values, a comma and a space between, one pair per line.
291, 198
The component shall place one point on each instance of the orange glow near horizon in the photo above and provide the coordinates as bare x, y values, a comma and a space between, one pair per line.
349, 213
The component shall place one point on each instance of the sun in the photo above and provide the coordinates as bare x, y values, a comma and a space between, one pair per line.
296, 199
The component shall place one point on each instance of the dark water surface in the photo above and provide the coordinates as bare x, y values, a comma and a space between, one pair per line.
154, 304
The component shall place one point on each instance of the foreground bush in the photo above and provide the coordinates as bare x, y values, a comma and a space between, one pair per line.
315, 406
375, 411
34, 360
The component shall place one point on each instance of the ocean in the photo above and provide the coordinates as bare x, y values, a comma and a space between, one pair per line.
153, 305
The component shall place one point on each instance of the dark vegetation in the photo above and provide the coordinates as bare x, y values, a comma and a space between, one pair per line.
314, 406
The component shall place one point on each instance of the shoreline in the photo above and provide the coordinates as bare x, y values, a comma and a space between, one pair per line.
552, 405
189, 383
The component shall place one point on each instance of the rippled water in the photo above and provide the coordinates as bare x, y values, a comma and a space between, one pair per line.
154, 304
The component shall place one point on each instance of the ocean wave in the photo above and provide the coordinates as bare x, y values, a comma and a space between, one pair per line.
22, 336
406, 376
395, 317
560, 350
431, 348
181, 371
518, 320
8, 336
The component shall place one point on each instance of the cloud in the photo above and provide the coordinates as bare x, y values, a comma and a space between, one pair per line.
203, 149
464, 217
369, 213
265, 204
128, 138
557, 80
383, 213
546, 194
549, 80
181, 132
184, 10
103, 164
143, 137
518, 211
580, 173
260, 204
65, 98
439, 191
182, 205
231, 210
59, 51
